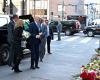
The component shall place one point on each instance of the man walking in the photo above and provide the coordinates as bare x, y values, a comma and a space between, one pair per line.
59, 29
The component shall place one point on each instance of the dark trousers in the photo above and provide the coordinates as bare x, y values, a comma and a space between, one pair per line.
48, 43
42, 48
17, 55
59, 36
34, 55
11, 55
16, 63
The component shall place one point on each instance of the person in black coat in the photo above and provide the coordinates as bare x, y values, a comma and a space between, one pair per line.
34, 41
10, 38
49, 36
17, 45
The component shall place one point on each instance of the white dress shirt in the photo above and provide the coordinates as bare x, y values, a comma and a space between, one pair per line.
48, 32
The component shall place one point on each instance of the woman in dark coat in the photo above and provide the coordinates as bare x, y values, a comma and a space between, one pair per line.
17, 45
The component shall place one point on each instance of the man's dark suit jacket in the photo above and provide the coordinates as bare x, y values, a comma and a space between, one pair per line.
11, 32
51, 32
33, 30
10, 39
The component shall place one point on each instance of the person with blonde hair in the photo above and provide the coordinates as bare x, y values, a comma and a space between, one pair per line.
19, 23
17, 45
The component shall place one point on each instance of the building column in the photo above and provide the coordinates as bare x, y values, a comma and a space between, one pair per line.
48, 10
23, 7
28, 7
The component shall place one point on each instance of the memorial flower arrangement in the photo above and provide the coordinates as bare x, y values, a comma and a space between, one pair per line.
91, 71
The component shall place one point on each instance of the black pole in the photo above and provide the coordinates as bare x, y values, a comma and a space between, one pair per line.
76, 8
62, 10
23, 7
87, 9
11, 7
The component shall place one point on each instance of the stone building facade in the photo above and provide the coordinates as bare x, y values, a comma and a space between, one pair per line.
46, 8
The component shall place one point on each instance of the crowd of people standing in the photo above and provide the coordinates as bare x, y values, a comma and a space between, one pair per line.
40, 33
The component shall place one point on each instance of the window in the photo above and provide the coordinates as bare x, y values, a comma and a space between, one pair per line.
3, 21
60, 8
45, 11
39, 4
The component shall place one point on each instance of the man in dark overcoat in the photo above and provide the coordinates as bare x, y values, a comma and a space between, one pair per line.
10, 38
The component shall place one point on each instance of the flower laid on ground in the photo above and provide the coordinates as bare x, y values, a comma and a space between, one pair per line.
84, 74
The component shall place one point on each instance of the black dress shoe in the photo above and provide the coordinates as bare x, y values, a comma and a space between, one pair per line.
49, 53
41, 60
59, 40
37, 67
20, 71
32, 67
17, 71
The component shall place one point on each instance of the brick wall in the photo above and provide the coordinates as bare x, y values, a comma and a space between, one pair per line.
69, 10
